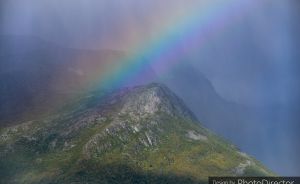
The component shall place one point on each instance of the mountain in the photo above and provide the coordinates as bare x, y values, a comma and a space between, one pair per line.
238, 122
143, 134
37, 77
202, 98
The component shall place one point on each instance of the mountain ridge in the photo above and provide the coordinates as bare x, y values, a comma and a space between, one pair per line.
135, 135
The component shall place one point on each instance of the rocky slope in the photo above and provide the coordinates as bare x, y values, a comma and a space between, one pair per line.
143, 134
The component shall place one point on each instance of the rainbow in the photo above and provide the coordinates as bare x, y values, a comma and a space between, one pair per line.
200, 22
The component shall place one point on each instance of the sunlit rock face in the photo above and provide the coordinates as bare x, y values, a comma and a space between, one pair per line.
152, 99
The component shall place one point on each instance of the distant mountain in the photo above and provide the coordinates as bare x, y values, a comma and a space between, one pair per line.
38, 77
143, 134
253, 128
199, 93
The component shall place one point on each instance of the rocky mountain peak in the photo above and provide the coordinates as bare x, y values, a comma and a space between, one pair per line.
154, 98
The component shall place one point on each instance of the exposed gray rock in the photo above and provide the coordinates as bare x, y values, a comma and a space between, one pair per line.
196, 136
147, 100
240, 169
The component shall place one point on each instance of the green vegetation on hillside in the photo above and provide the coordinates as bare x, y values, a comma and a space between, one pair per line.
111, 144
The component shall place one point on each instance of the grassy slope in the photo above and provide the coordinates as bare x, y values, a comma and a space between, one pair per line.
174, 158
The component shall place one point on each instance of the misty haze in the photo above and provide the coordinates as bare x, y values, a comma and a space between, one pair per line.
154, 91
